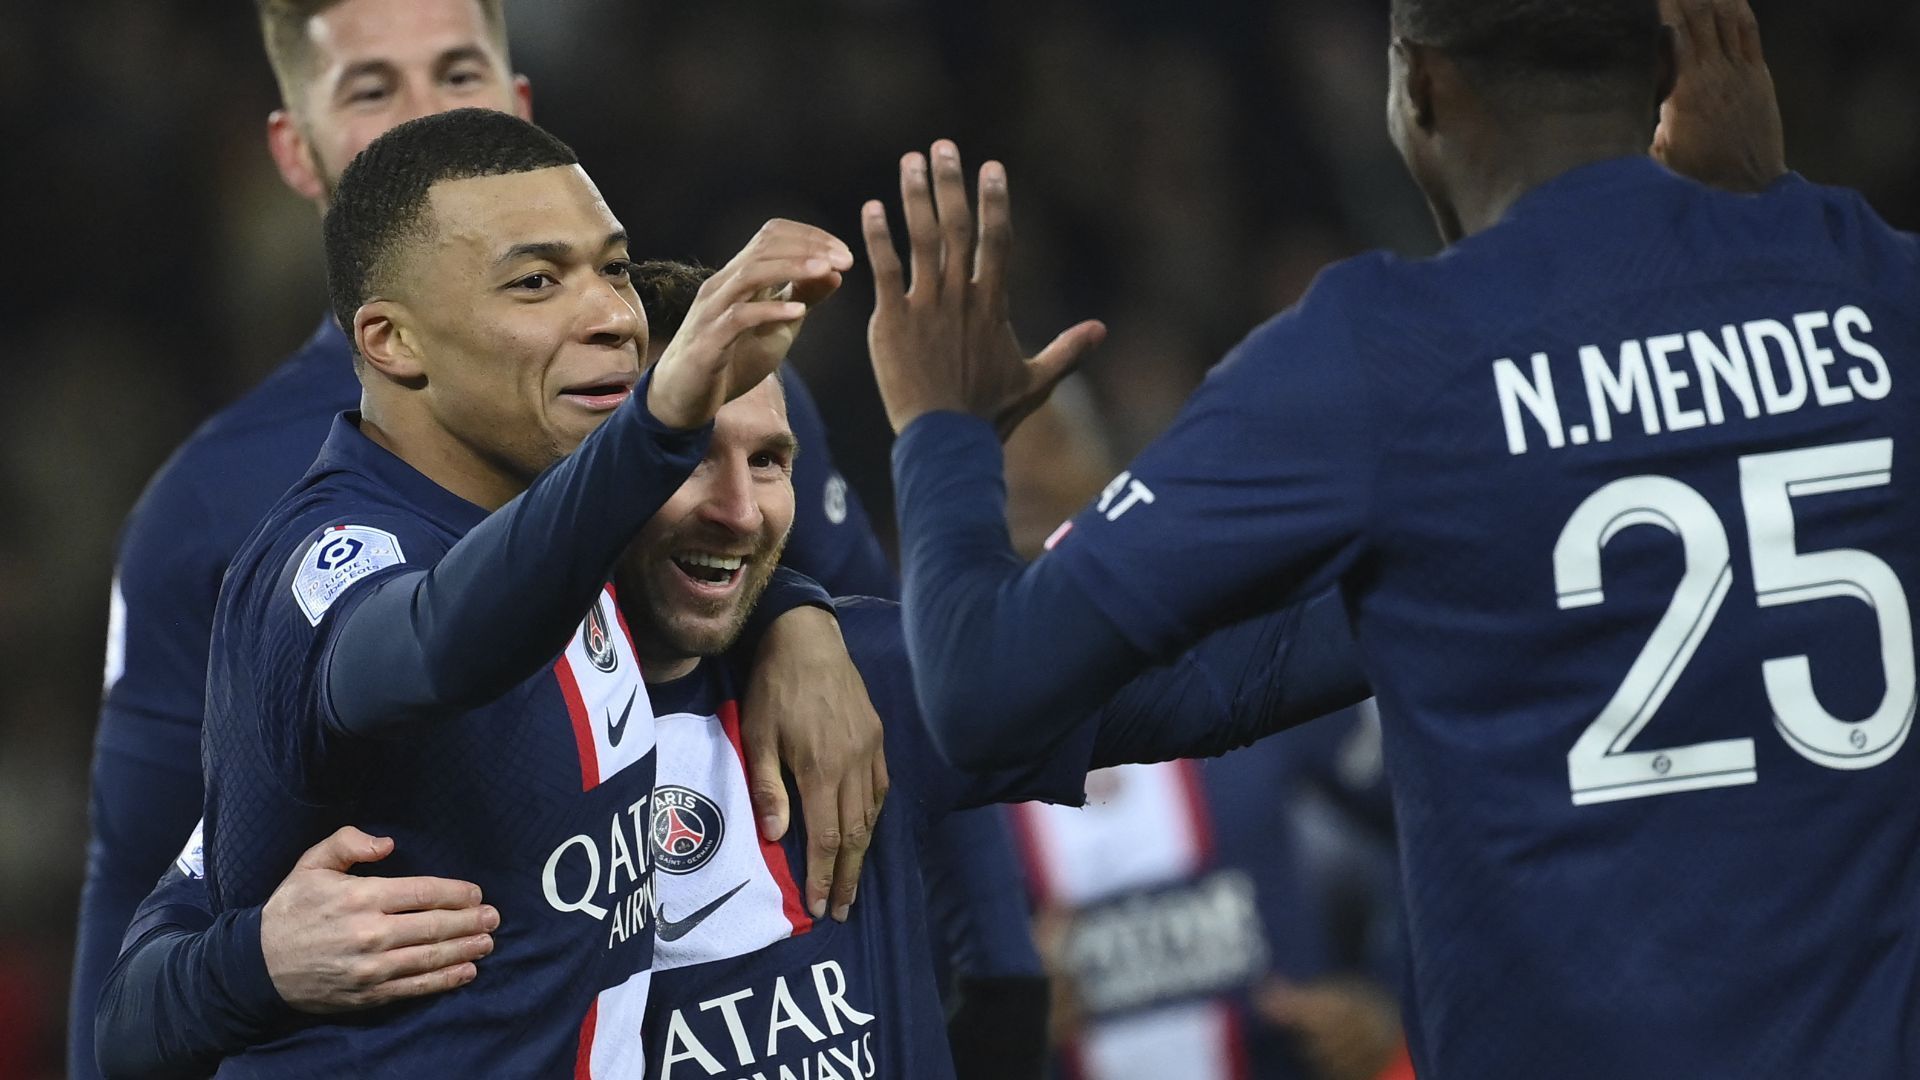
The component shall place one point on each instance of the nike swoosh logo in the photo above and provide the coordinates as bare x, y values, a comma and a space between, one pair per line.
670, 930
617, 729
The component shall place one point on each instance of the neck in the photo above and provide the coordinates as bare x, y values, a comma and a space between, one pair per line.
440, 456
655, 670
1497, 170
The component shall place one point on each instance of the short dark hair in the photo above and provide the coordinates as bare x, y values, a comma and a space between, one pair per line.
666, 290
1506, 43
382, 197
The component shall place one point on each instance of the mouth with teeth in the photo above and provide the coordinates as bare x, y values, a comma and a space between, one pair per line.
713, 571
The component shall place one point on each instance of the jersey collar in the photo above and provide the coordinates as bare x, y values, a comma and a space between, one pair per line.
348, 449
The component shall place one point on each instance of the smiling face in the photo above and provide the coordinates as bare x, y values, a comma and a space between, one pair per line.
696, 570
510, 332
358, 68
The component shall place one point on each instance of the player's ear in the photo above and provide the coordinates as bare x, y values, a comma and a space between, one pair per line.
523, 98
293, 156
386, 342
1416, 86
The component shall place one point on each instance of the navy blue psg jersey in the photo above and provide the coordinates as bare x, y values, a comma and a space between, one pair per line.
745, 984
541, 797
1623, 500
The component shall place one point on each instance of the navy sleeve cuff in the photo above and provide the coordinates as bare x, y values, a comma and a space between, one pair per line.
234, 948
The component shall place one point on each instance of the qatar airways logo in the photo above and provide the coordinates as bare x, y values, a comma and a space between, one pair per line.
611, 880
790, 1029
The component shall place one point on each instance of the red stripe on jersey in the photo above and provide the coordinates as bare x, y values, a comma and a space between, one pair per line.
1400, 1068
1233, 1028
1073, 1063
770, 850
1199, 815
582, 723
583, 1060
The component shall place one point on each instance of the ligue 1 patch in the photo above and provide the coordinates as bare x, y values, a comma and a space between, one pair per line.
597, 639
341, 556
193, 858
687, 829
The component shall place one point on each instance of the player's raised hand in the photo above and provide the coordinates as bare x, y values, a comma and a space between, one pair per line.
336, 942
943, 340
807, 709
1721, 125
744, 319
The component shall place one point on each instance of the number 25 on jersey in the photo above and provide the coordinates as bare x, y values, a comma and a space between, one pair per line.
1600, 767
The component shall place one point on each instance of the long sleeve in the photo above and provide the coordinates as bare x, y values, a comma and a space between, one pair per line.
504, 599
184, 994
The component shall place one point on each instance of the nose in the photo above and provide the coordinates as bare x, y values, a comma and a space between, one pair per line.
609, 318
729, 500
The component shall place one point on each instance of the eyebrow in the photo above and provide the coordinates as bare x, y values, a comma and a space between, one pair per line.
458, 55
383, 68
552, 250
784, 442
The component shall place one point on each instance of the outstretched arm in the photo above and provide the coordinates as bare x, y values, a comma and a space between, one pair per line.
1236, 687
1258, 495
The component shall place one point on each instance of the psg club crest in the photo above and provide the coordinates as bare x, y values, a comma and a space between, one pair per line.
686, 831
598, 640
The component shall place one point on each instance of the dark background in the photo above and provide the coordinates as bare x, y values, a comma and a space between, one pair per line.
1179, 169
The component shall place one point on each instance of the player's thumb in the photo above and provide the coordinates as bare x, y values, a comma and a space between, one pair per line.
345, 849
1060, 358
765, 785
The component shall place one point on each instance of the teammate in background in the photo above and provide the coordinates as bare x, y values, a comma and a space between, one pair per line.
1181, 915
744, 982
989, 974
348, 70
1614, 494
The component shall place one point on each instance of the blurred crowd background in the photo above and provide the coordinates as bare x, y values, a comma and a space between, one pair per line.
1180, 170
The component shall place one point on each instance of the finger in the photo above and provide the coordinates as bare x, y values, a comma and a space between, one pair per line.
345, 849
825, 833
857, 817
888, 284
956, 217
996, 232
418, 986
811, 291
1063, 355
1726, 27
923, 228
432, 927
741, 318
422, 959
1696, 24
394, 895
1746, 28
763, 277
784, 235
766, 786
